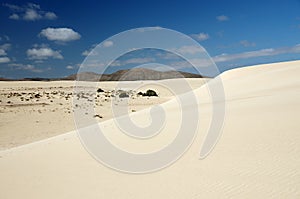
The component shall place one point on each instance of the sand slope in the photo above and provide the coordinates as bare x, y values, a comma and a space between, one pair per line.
257, 155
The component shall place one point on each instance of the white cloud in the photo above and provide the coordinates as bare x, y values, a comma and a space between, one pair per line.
70, 67
257, 53
32, 15
28, 67
2, 52
246, 43
222, 18
33, 6
108, 43
14, 16
3, 49
5, 46
29, 12
231, 57
43, 53
4, 60
50, 15
190, 49
60, 34
90, 51
87, 52
13, 7
201, 36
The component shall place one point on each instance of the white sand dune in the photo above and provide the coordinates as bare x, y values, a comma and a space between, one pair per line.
257, 155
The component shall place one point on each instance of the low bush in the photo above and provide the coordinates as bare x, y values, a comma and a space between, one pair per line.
99, 90
148, 93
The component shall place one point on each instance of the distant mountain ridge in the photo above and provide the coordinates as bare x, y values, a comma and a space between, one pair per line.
121, 75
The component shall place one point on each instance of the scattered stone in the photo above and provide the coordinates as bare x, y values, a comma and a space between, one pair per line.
123, 95
37, 95
99, 116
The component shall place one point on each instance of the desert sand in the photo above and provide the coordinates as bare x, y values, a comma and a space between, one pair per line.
257, 155
32, 111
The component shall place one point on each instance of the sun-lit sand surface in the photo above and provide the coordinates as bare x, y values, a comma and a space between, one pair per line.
257, 155
32, 111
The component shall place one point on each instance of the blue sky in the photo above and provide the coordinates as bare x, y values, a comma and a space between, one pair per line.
51, 38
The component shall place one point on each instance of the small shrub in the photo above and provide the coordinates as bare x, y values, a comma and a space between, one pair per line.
99, 90
150, 93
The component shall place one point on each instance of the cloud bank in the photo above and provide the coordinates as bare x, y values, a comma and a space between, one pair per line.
257, 53
29, 12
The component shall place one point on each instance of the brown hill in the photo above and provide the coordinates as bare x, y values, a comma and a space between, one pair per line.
121, 75
132, 75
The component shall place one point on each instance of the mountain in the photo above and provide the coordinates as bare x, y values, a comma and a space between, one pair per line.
133, 75
5, 79
121, 75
